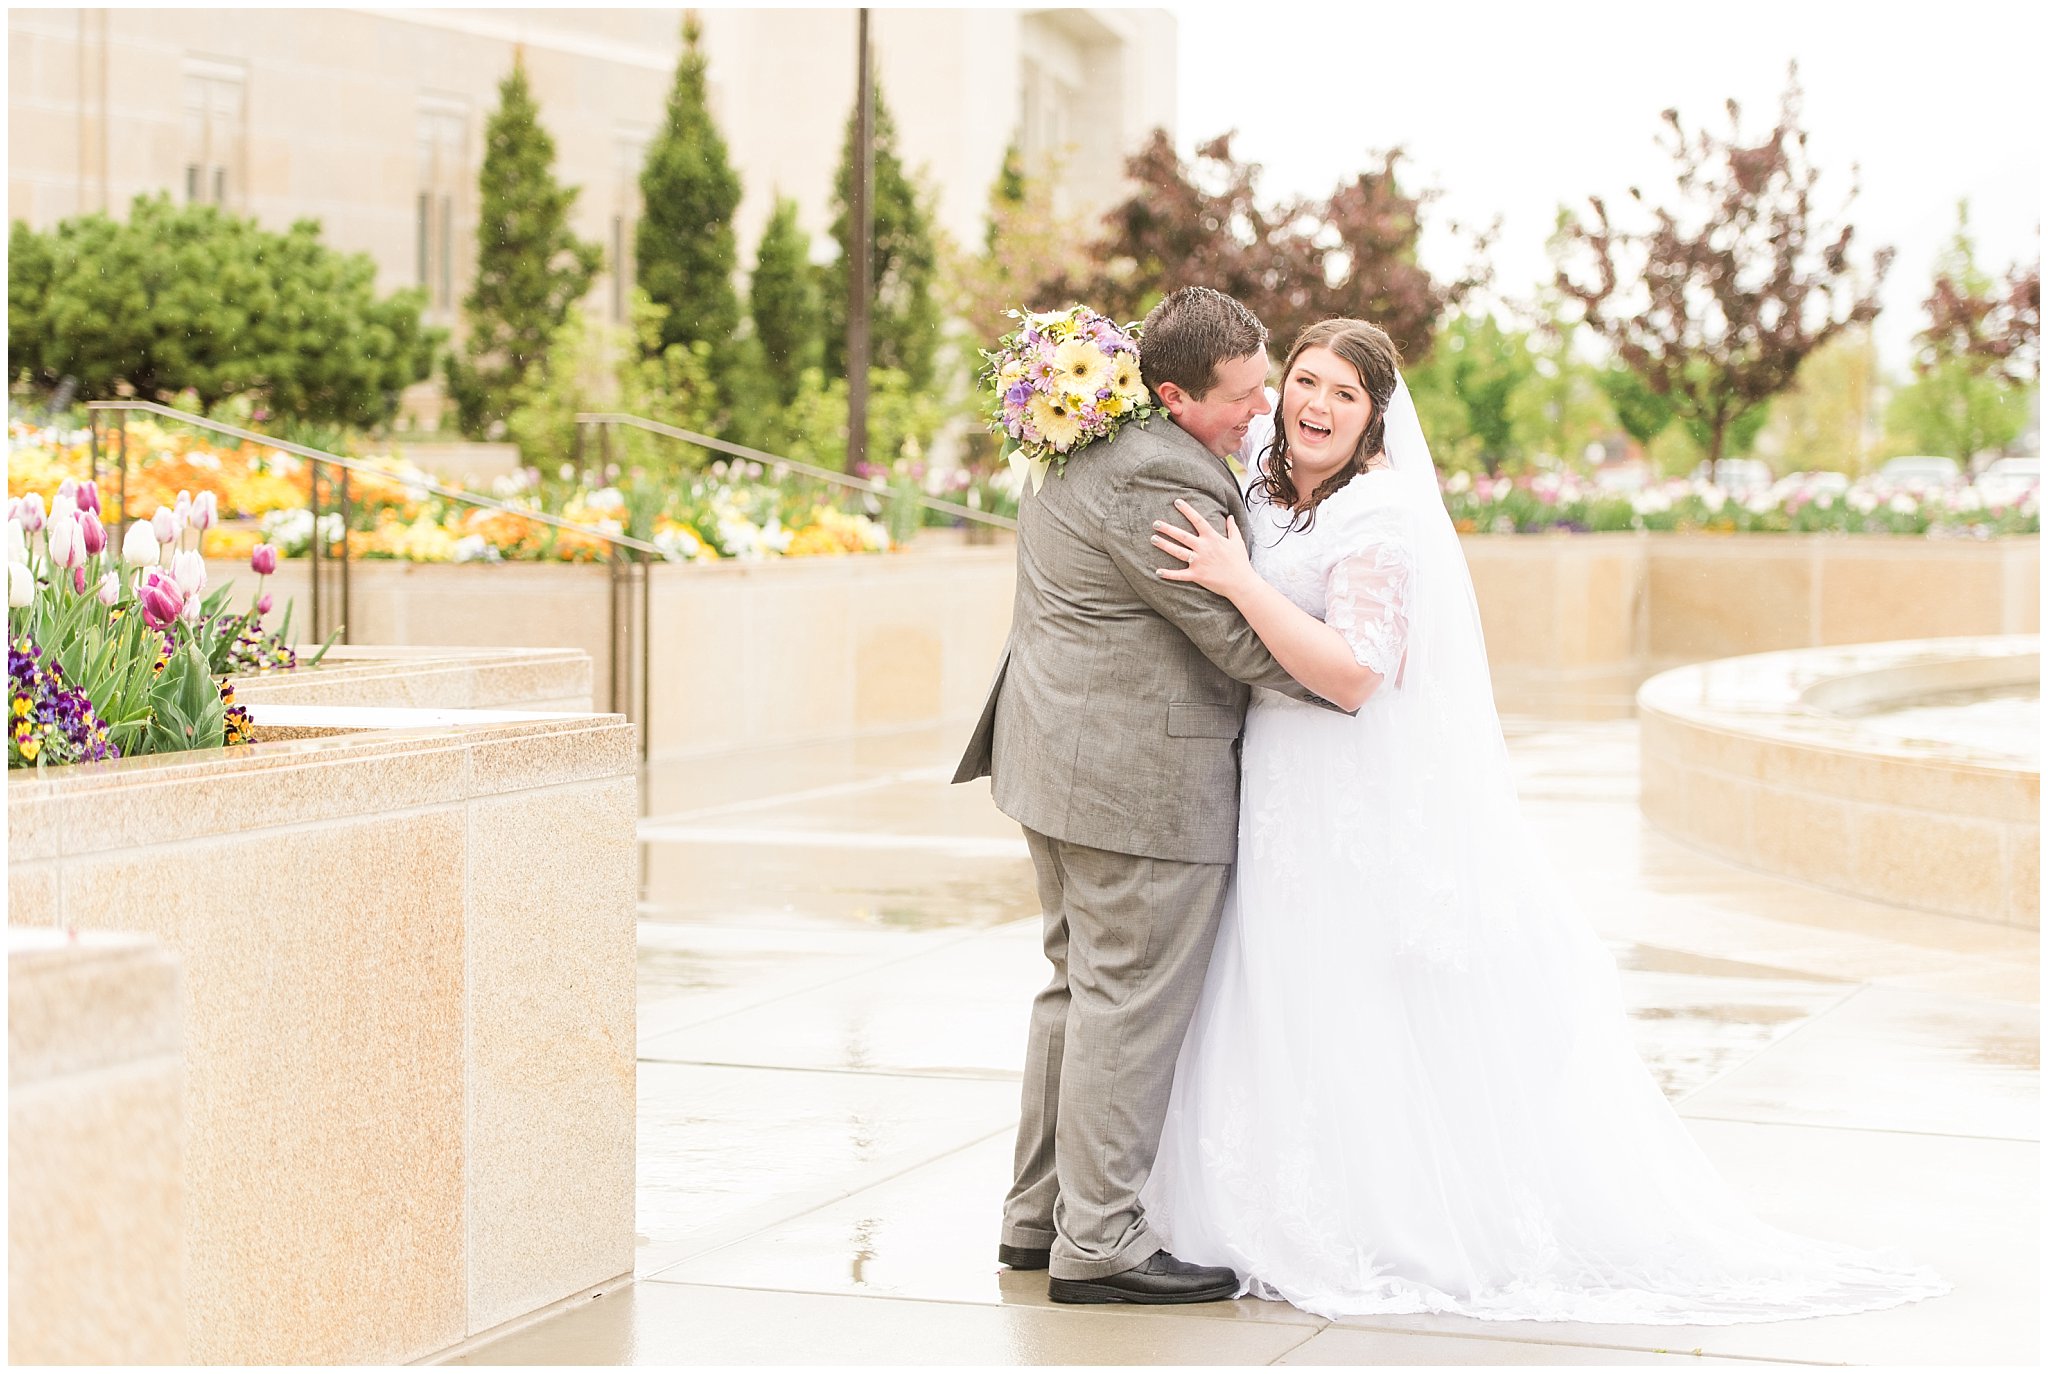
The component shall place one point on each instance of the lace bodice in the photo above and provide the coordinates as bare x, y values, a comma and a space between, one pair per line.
1352, 568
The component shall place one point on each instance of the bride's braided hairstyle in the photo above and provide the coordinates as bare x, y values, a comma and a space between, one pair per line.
1367, 348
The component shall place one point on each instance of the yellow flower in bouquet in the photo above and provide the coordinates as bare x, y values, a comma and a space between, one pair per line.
1057, 420
1079, 367
1126, 380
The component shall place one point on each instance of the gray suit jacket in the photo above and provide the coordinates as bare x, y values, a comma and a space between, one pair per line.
1114, 718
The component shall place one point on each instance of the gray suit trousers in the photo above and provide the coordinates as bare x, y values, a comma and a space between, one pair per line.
1129, 939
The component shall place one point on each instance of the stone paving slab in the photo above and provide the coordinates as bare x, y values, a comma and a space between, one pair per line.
836, 959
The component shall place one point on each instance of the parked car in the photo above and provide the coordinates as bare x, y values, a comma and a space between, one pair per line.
1738, 475
1920, 470
2006, 480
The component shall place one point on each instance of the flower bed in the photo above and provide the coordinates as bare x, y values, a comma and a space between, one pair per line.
1807, 503
121, 651
726, 510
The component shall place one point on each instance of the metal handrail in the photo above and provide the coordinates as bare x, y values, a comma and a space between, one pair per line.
621, 567
624, 541
866, 485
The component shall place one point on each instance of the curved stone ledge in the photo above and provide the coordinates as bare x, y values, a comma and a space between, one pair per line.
1770, 761
408, 1006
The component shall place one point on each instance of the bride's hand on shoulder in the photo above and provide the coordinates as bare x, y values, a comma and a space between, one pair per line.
1217, 560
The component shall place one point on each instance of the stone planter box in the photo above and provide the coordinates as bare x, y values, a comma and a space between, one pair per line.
408, 950
763, 654
95, 1151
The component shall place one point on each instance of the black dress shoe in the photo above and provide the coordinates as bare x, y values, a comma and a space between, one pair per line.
1023, 1257
1161, 1279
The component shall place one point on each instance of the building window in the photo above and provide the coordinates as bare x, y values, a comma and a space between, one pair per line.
441, 144
215, 102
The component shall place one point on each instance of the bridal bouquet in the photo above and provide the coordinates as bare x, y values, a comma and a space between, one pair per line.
1060, 381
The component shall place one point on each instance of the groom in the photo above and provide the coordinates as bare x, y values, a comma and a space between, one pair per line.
1111, 737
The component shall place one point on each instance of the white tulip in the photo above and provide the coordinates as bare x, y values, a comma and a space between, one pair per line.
21, 584
141, 549
67, 539
166, 525
30, 513
190, 615
17, 542
188, 570
205, 511
110, 589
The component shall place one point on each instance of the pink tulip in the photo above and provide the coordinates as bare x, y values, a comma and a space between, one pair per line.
30, 513
161, 604
78, 580
92, 531
263, 604
89, 497
263, 559
205, 511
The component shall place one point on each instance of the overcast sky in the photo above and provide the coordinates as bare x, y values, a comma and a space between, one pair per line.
1510, 109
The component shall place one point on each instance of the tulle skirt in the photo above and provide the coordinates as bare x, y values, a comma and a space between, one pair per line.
1409, 1086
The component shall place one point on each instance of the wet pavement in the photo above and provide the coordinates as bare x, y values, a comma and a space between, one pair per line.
837, 953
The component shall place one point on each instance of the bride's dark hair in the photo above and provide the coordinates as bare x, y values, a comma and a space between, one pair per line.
1367, 348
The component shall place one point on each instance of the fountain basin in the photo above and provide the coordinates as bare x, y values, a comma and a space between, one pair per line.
1905, 772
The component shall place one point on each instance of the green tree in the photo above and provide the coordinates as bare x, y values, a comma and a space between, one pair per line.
1033, 257
1473, 376
684, 244
531, 270
1966, 398
1640, 411
592, 366
783, 298
190, 297
903, 314
1822, 422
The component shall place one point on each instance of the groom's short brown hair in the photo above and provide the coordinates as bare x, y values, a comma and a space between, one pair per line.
1189, 333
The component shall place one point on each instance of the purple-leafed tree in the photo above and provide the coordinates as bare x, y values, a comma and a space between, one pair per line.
1718, 299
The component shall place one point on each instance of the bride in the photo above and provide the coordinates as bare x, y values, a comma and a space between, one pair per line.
1409, 1085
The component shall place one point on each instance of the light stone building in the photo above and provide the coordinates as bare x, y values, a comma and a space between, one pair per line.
372, 120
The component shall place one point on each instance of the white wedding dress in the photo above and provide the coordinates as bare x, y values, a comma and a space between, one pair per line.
1409, 1084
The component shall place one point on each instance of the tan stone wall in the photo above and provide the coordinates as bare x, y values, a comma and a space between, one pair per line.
807, 649
95, 1152
409, 1008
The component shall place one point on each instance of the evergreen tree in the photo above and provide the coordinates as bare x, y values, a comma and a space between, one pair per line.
903, 315
784, 301
531, 269
684, 243
1007, 196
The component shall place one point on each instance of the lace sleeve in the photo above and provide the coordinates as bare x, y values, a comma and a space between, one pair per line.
1366, 601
